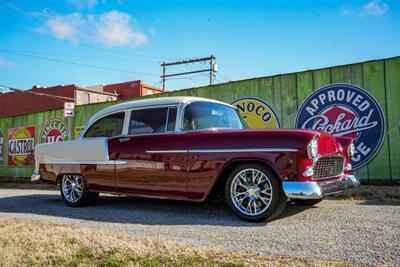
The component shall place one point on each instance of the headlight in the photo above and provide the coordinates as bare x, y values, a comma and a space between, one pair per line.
312, 148
351, 150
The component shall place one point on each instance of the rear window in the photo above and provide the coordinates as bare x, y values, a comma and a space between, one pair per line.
108, 126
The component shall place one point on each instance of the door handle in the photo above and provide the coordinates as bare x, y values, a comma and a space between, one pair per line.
124, 139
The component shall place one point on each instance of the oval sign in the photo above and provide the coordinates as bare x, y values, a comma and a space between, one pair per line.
257, 113
346, 110
54, 131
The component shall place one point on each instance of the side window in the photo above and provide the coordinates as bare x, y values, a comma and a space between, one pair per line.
155, 120
107, 127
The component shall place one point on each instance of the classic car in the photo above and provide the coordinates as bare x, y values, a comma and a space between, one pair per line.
192, 149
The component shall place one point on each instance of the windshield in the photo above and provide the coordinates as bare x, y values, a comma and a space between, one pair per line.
206, 115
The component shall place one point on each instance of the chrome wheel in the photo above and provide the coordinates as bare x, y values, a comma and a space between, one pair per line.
72, 187
251, 192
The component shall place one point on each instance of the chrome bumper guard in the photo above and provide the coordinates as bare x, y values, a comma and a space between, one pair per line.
35, 177
319, 189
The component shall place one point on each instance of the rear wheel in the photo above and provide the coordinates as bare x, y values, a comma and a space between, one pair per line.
74, 191
254, 193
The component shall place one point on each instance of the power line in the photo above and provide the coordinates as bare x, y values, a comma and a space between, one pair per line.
78, 64
76, 56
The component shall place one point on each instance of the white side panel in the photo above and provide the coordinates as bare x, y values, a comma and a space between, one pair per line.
83, 151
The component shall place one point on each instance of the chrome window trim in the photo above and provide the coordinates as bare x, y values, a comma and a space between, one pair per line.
149, 107
182, 112
178, 124
87, 127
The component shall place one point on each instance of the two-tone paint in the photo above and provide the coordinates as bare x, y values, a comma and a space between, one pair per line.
188, 165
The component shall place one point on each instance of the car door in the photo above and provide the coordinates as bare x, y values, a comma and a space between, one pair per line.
155, 156
101, 177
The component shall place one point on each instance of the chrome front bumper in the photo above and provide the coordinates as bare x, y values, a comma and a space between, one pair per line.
319, 189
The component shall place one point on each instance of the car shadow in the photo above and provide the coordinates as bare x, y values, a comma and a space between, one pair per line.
129, 210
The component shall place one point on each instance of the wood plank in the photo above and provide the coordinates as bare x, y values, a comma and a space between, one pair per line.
341, 74
392, 67
203, 92
374, 82
289, 100
321, 78
304, 86
356, 78
278, 99
216, 93
266, 90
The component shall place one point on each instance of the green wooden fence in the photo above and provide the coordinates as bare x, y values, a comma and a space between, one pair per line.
285, 93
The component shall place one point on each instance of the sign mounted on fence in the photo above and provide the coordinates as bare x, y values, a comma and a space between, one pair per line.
257, 113
69, 109
1, 148
21, 144
346, 110
54, 131
78, 131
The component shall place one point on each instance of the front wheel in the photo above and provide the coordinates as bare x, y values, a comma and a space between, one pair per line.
74, 191
254, 193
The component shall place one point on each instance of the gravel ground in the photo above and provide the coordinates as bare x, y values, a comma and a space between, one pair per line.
363, 232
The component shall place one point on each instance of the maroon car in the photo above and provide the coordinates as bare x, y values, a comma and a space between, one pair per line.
189, 148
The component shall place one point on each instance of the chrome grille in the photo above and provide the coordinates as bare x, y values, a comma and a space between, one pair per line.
328, 167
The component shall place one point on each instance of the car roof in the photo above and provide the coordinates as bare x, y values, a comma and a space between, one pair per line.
149, 102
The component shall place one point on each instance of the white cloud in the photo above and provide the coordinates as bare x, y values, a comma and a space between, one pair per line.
82, 4
66, 27
374, 8
113, 29
7, 64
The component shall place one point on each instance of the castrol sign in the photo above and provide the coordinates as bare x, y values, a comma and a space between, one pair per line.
21, 145
346, 110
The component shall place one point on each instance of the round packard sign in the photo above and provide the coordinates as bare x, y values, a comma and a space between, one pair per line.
257, 113
54, 131
346, 110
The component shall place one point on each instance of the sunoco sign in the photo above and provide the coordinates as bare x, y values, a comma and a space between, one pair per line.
257, 113
346, 110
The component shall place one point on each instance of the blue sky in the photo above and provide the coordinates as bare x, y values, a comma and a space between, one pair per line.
41, 42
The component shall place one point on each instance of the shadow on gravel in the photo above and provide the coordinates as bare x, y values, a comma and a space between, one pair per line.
134, 210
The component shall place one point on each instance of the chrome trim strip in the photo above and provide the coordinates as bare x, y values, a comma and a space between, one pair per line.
238, 150
165, 151
234, 150
98, 162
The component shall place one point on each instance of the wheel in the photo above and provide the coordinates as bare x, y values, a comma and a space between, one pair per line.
254, 193
306, 202
75, 192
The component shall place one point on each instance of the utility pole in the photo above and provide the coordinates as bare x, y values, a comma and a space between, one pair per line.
163, 76
212, 69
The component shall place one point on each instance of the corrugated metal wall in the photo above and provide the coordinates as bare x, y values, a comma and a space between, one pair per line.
284, 93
